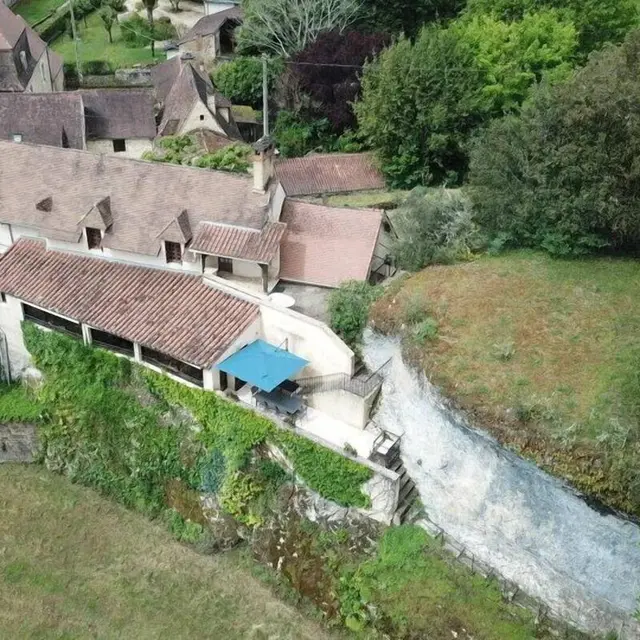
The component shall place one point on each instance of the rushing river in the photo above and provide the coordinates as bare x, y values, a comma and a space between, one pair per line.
527, 525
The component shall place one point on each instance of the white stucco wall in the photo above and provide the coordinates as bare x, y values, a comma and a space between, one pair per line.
40, 81
194, 121
343, 406
10, 319
244, 269
135, 147
277, 202
10, 233
307, 338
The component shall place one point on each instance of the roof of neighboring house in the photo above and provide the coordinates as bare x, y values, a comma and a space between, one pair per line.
174, 313
329, 173
235, 242
211, 24
180, 85
142, 197
119, 113
16, 37
325, 246
55, 119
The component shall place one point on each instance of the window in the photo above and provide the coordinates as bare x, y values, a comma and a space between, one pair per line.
173, 251
225, 265
119, 145
112, 342
94, 238
201, 116
176, 367
3, 296
16, 137
51, 321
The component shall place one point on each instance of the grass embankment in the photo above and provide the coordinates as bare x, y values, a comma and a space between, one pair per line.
94, 44
545, 353
76, 565
35, 10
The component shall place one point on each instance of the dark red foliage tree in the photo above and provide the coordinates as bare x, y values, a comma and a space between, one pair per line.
328, 71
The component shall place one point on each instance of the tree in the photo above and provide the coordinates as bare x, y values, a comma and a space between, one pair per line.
284, 27
240, 80
150, 5
422, 101
108, 16
434, 227
406, 16
564, 175
331, 89
597, 21
175, 5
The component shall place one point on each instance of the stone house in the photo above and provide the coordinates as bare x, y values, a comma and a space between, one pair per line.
118, 121
189, 101
26, 62
212, 36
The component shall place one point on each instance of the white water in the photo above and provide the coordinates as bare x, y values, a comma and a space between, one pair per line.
522, 522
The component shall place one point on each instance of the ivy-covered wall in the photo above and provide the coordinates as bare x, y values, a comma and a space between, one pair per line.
129, 432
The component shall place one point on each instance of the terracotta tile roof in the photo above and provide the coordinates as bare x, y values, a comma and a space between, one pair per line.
328, 173
55, 119
144, 197
235, 242
171, 312
119, 113
326, 245
211, 24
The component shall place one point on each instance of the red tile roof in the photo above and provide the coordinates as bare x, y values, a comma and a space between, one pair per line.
329, 173
326, 245
171, 312
241, 243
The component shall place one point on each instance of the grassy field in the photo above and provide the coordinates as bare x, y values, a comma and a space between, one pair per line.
75, 565
537, 348
35, 10
94, 45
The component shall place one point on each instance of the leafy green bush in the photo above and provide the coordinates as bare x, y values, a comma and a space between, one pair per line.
234, 158
240, 80
184, 530
18, 404
349, 309
237, 493
297, 137
97, 68
434, 227
136, 31
426, 330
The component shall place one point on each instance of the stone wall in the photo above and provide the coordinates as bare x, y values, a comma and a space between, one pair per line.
18, 442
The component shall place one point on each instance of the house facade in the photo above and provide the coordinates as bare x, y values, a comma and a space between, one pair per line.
26, 62
212, 36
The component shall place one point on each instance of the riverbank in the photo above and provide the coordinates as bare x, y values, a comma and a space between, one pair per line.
543, 353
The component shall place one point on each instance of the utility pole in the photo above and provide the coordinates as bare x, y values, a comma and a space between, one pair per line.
265, 96
75, 41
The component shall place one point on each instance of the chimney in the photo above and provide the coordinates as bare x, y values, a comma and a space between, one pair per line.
262, 163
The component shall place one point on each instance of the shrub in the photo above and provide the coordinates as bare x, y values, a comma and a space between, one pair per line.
136, 31
97, 68
426, 330
297, 137
434, 227
17, 404
349, 309
241, 79
234, 158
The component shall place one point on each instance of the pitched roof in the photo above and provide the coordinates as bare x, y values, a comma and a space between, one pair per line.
211, 24
144, 196
180, 85
171, 312
119, 113
55, 119
325, 245
328, 173
243, 244
11, 27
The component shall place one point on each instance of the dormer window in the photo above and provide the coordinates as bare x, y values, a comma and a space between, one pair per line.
94, 238
173, 251
16, 137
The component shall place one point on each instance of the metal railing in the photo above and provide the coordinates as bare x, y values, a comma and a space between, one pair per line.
358, 385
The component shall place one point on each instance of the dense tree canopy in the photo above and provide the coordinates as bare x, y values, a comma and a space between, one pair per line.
421, 101
240, 80
406, 16
597, 21
324, 78
565, 176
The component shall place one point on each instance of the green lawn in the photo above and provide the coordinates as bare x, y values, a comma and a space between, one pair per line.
94, 45
75, 565
545, 352
35, 10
